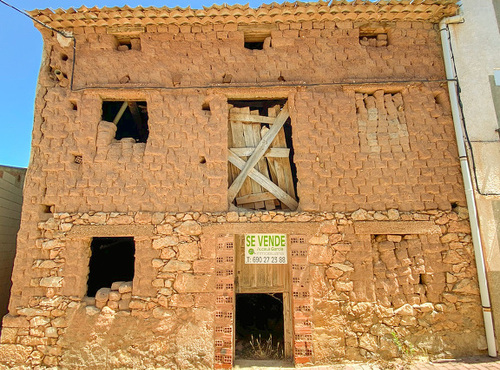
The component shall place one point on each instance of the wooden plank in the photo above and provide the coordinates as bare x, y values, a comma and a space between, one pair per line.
257, 154
238, 140
233, 171
262, 166
265, 182
252, 198
281, 171
251, 133
250, 118
271, 153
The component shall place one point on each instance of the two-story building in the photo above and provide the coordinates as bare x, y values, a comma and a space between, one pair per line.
203, 180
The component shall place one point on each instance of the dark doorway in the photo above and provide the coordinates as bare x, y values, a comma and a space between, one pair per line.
259, 326
112, 259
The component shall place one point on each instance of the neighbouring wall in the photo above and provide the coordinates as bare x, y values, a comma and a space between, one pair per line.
11, 187
476, 46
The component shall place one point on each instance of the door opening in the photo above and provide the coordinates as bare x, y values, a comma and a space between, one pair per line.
259, 326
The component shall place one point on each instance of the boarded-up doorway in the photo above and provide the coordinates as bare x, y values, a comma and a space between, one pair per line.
263, 283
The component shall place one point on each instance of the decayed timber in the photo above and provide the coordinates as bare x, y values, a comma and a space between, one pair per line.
237, 140
271, 153
264, 181
280, 169
250, 118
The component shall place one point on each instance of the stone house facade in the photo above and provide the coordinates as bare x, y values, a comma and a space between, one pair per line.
138, 205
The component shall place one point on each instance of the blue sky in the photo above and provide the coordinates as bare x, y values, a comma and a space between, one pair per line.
20, 54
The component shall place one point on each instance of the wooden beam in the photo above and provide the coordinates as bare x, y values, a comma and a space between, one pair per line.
272, 152
258, 153
120, 113
264, 182
251, 118
136, 115
252, 198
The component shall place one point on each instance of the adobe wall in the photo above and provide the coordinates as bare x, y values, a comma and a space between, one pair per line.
336, 171
381, 153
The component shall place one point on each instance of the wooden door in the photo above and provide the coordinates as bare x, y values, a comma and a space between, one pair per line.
265, 279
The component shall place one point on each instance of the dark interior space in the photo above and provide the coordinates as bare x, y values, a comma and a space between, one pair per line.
112, 259
259, 45
259, 326
134, 121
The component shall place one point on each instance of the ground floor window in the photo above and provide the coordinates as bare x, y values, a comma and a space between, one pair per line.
111, 260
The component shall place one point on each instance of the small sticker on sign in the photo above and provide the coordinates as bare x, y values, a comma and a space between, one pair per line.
266, 249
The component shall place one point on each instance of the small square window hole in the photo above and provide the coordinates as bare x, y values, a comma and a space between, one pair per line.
130, 117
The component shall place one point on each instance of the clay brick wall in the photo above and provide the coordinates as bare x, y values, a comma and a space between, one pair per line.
337, 170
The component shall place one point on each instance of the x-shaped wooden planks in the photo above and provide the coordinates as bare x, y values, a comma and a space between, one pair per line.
247, 168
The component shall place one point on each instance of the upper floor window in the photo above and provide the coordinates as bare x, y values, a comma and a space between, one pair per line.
130, 118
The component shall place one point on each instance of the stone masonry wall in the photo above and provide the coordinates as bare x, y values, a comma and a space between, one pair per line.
370, 274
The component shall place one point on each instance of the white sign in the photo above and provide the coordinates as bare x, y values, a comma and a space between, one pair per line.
268, 249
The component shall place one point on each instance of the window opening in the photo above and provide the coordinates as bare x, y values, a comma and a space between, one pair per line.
270, 182
111, 260
257, 38
373, 36
259, 326
128, 42
130, 117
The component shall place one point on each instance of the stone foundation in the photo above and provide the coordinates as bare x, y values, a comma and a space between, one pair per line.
358, 280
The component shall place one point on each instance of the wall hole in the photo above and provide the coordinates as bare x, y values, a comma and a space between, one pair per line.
373, 37
47, 208
205, 106
74, 105
112, 259
64, 57
128, 42
203, 160
256, 38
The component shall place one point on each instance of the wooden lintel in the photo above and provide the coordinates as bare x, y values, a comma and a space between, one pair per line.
263, 181
271, 153
257, 155
251, 118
